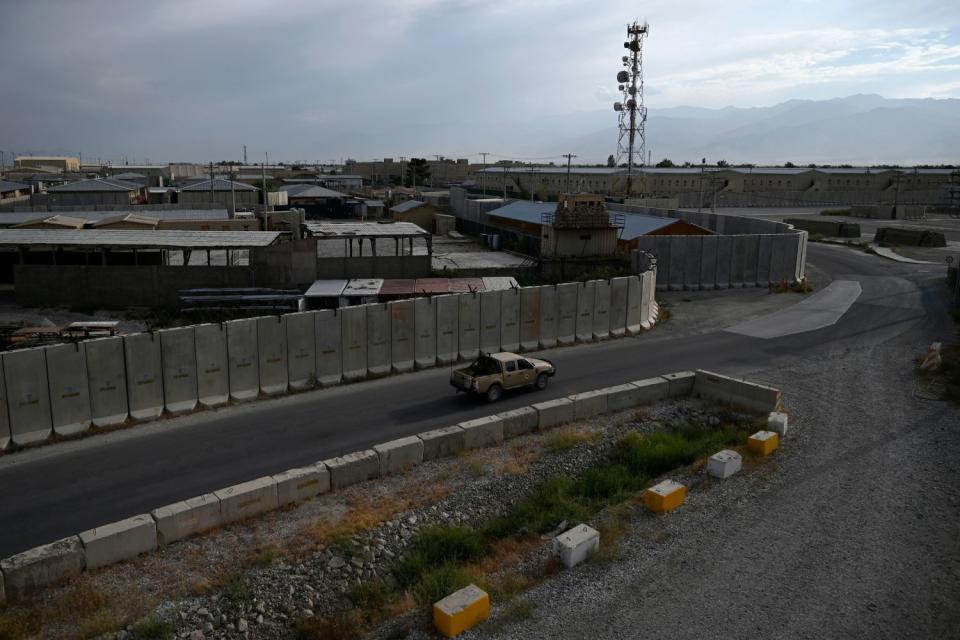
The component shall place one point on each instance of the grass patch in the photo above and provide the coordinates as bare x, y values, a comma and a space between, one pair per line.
153, 629
342, 626
439, 582
569, 439
437, 547
236, 587
98, 624
265, 557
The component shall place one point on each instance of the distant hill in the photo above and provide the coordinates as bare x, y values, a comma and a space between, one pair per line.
859, 129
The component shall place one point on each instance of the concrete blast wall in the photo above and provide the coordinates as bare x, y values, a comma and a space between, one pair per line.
63, 389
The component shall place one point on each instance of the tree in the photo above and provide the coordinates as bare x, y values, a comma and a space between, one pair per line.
789, 165
418, 172
687, 164
723, 163
611, 161
666, 163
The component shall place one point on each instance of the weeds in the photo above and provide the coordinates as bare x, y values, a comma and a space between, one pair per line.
568, 440
98, 624
236, 587
153, 629
265, 557
342, 626
438, 583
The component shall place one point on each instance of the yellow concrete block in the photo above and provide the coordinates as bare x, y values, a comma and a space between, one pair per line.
763, 442
461, 610
664, 496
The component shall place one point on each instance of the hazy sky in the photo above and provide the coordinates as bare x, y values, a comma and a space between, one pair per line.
316, 80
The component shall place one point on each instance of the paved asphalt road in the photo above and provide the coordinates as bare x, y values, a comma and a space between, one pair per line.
60, 490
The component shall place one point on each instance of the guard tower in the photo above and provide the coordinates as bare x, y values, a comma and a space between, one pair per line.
580, 227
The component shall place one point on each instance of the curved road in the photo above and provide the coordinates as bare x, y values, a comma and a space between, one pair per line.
60, 490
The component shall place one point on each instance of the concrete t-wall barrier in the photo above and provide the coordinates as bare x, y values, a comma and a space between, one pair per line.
28, 398
213, 382
746, 252
69, 388
490, 321
634, 314
530, 318
272, 354
378, 340
402, 335
549, 310
469, 332
301, 349
178, 354
567, 312
585, 302
144, 375
619, 291
244, 366
425, 328
601, 310
510, 319
107, 376
329, 347
353, 329
448, 328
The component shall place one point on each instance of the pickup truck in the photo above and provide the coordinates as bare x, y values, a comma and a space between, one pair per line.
491, 373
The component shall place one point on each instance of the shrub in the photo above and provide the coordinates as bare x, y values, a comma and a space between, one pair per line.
606, 484
153, 629
438, 583
552, 501
437, 546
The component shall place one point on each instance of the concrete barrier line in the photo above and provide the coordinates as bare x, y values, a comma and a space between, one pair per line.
146, 532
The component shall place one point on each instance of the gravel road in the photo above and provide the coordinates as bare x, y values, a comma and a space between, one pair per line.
856, 534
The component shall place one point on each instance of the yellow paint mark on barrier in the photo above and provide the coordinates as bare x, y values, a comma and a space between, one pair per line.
664, 496
461, 610
308, 483
247, 503
763, 443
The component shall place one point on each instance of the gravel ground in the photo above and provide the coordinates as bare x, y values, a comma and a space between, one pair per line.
855, 535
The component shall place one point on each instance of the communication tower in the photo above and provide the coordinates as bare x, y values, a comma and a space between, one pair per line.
631, 111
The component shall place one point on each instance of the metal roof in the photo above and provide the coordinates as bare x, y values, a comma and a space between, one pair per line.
304, 190
499, 283
219, 184
129, 175
563, 170
398, 287
524, 211
94, 216
368, 287
407, 206
364, 229
6, 185
635, 224
326, 289
95, 184
465, 285
127, 238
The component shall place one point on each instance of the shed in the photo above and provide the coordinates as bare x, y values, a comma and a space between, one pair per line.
415, 211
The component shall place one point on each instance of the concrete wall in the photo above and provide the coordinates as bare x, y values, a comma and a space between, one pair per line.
66, 388
745, 252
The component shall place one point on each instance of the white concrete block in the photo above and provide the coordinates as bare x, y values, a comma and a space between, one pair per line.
302, 483
247, 499
399, 455
187, 517
440, 443
119, 541
482, 432
553, 413
353, 468
589, 404
680, 383
517, 422
724, 464
41, 567
777, 422
576, 545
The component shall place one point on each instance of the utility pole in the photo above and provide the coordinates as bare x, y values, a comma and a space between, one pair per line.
263, 183
244, 155
233, 196
212, 198
703, 164
504, 184
483, 172
569, 157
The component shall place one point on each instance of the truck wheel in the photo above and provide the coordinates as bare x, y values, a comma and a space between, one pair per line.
494, 393
542, 381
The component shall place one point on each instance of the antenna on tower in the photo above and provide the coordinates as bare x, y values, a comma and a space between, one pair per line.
631, 111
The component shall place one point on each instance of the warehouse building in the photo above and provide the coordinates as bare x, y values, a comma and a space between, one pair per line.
224, 193
58, 163
92, 191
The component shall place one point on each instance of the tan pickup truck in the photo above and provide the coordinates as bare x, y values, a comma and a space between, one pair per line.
491, 373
